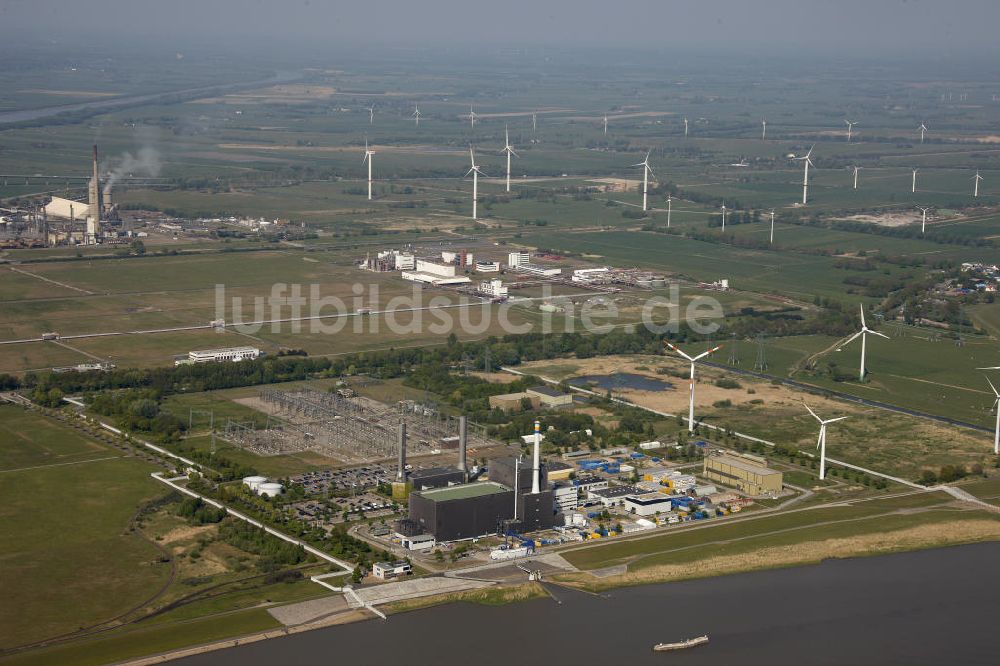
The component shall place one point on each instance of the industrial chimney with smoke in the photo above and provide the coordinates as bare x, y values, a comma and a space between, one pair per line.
95, 203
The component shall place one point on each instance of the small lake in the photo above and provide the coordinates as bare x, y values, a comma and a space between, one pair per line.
621, 380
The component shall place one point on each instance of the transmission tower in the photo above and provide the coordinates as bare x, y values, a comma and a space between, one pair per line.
760, 365
734, 351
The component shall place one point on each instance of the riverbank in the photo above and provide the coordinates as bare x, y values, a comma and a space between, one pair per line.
924, 537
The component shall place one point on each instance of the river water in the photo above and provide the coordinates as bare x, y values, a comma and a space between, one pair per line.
932, 607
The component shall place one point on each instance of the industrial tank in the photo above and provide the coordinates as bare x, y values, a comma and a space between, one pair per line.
253, 482
270, 489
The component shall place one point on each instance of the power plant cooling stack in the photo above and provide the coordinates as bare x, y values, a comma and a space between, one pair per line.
536, 462
463, 443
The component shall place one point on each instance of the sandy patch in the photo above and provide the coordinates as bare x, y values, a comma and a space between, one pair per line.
886, 219
185, 533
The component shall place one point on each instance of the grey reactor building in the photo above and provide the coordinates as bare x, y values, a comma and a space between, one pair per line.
517, 498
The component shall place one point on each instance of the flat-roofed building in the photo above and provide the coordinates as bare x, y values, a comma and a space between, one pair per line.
464, 511
649, 504
390, 570
742, 474
550, 397
227, 354
514, 402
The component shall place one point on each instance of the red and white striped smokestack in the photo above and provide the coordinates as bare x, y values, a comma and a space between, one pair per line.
536, 462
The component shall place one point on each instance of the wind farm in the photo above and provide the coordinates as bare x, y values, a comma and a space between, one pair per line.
277, 387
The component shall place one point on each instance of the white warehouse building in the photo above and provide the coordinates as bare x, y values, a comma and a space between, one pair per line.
227, 354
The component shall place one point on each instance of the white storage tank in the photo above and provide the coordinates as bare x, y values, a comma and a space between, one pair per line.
253, 482
270, 489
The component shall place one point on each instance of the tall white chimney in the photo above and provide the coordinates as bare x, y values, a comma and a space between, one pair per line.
536, 463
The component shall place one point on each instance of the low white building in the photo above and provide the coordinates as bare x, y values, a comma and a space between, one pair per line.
434, 268
487, 266
228, 354
390, 570
494, 288
588, 274
437, 280
418, 542
534, 269
648, 505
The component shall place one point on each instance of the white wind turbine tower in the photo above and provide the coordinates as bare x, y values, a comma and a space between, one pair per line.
914, 188
646, 171
978, 179
723, 217
416, 116
371, 114
669, 201
996, 404
923, 131
368, 158
807, 162
763, 131
605, 124
685, 128
693, 360
472, 117
856, 170
850, 129
923, 221
509, 149
821, 442
772, 226
476, 172
534, 122
864, 342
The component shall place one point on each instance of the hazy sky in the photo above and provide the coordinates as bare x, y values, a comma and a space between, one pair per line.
938, 28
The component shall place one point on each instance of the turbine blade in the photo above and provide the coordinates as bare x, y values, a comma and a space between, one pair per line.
678, 351
993, 387
852, 338
839, 418
881, 335
706, 353
812, 412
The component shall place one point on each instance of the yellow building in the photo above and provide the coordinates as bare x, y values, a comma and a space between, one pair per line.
743, 474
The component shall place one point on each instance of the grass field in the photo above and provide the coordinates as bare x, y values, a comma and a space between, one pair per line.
31, 441
69, 561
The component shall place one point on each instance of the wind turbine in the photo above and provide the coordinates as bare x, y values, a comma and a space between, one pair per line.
646, 170
807, 162
669, 201
850, 129
416, 115
534, 122
763, 131
923, 221
856, 170
472, 117
864, 341
605, 124
692, 360
914, 188
978, 179
723, 217
476, 172
509, 149
821, 442
368, 158
685, 128
772, 226
996, 403
923, 130
371, 114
